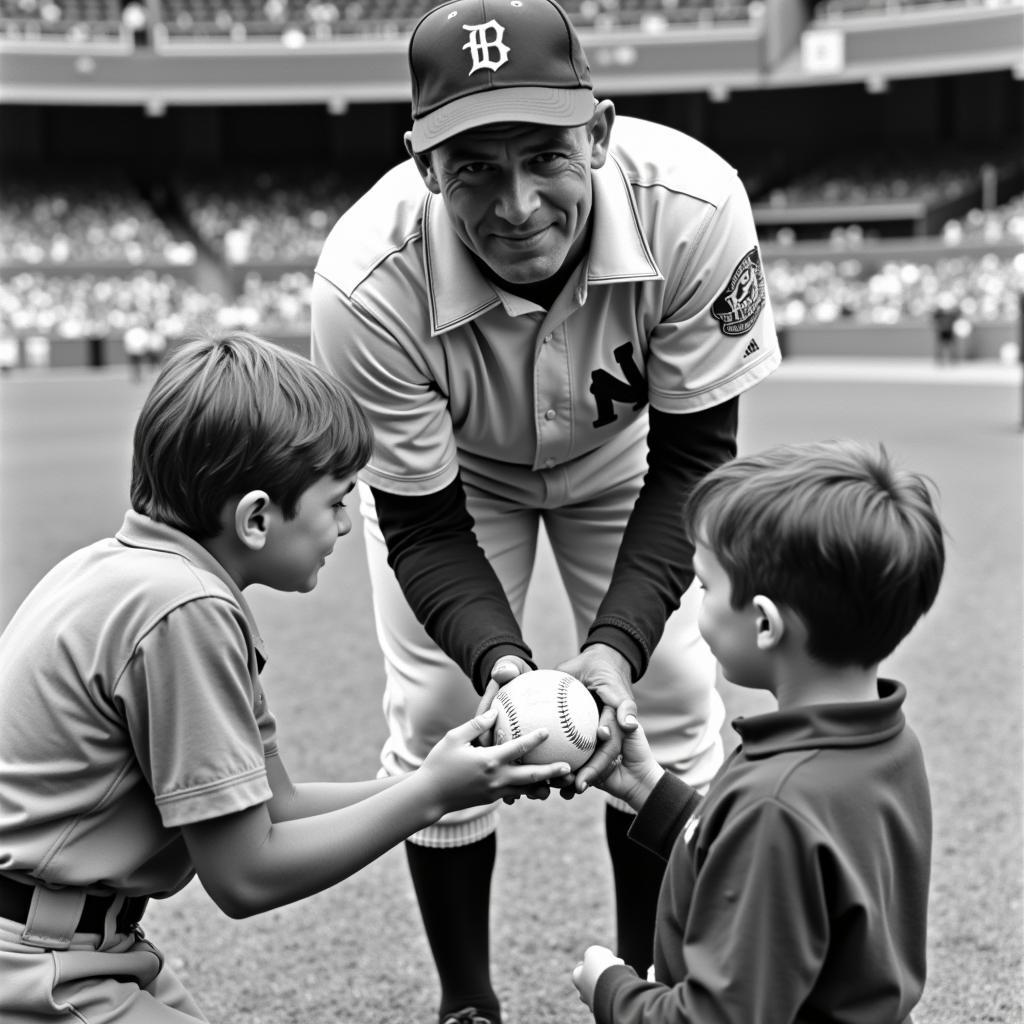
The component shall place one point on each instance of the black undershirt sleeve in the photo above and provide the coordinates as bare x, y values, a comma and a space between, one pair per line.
447, 579
654, 566
454, 592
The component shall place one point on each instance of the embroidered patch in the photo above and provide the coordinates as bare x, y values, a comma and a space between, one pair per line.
739, 306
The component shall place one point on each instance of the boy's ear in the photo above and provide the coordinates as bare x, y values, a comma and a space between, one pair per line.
250, 519
771, 626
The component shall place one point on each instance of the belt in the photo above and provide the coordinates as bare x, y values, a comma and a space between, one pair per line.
16, 898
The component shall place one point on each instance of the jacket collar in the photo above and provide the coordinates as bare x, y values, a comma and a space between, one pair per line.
458, 292
139, 531
858, 723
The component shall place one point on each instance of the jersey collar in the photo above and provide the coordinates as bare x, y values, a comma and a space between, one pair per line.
139, 531
459, 293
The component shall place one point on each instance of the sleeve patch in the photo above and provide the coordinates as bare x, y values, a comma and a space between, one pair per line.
740, 304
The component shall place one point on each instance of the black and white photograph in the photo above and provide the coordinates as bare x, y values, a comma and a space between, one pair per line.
512, 511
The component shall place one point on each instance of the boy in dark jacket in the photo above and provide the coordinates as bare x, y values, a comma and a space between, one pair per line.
797, 888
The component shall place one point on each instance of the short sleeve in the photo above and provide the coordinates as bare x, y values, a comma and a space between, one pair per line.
717, 337
414, 450
197, 715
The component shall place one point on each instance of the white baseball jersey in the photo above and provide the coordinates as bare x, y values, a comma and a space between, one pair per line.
543, 413
669, 307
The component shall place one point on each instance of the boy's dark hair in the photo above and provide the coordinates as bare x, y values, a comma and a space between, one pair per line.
831, 530
232, 413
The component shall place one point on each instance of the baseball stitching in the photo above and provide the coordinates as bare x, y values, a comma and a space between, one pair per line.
510, 713
565, 717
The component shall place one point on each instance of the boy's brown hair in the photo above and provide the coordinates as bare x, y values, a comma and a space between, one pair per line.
832, 530
231, 413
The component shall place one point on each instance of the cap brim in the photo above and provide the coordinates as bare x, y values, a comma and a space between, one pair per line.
566, 108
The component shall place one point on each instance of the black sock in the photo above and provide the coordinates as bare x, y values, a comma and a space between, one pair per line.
637, 873
453, 887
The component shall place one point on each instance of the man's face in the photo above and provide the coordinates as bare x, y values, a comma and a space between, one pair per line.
519, 196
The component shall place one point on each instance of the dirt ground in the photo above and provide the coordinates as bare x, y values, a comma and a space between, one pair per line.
356, 954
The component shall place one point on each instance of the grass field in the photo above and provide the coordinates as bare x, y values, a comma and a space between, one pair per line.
356, 954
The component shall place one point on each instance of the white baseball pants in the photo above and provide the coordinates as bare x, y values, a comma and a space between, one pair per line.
584, 514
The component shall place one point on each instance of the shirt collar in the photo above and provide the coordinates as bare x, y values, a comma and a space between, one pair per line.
855, 724
139, 531
458, 292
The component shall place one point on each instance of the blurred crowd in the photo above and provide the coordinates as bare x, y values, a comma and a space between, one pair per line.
67, 254
84, 220
846, 8
986, 289
295, 22
78, 21
893, 177
274, 216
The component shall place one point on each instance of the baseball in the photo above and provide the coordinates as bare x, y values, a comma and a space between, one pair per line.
554, 701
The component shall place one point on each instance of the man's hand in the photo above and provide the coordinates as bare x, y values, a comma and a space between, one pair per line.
596, 960
608, 676
504, 671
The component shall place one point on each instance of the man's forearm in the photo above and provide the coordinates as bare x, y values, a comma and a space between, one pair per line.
447, 580
655, 561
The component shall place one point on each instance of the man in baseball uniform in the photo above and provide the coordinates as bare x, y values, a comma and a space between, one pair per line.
546, 320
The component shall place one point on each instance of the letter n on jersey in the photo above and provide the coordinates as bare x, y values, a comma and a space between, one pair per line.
607, 390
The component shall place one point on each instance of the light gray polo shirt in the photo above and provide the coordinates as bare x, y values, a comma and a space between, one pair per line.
130, 705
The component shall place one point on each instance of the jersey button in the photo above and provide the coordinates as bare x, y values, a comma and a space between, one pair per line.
550, 414
549, 463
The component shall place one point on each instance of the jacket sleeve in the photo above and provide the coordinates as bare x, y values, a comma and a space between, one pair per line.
447, 580
744, 929
663, 815
655, 561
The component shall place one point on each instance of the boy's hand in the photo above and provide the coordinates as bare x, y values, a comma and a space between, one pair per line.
596, 960
466, 775
634, 774
506, 669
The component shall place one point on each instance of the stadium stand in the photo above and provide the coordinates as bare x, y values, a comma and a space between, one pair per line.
870, 291
275, 215
890, 192
73, 21
86, 221
890, 8
81, 319
265, 239
319, 20
872, 196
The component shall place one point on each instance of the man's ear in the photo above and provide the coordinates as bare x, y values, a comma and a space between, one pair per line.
599, 128
423, 165
250, 519
771, 626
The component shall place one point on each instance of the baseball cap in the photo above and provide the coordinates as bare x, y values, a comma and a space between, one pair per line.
477, 62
